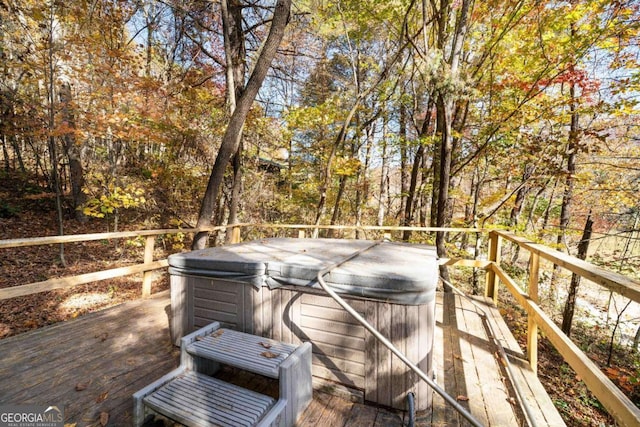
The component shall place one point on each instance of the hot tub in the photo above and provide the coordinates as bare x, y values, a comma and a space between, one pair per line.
268, 287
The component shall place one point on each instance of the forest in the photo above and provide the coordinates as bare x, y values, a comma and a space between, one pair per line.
516, 114
512, 113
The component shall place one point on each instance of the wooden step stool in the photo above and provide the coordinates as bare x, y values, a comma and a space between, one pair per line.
191, 397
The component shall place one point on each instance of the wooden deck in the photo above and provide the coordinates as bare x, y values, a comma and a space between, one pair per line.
92, 366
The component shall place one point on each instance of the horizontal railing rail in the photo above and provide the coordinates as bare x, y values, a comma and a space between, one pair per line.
146, 267
616, 403
611, 280
75, 238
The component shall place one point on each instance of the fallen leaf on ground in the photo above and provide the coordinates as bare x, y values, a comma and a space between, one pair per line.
81, 386
217, 333
269, 354
265, 344
104, 418
102, 397
199, 338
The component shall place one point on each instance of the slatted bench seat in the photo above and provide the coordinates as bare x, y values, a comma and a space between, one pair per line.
190, 396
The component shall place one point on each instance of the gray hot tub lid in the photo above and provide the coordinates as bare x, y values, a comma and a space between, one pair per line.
390, 270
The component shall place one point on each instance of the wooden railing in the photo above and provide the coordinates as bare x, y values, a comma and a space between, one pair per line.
616, 403
146, 267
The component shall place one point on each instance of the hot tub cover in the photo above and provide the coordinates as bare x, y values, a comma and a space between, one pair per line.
397, 272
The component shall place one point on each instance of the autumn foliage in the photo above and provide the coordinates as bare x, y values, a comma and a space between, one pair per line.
519, 114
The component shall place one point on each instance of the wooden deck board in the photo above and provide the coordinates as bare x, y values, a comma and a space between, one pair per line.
494, 392
113, 353
534, 394
75, 364
468, 379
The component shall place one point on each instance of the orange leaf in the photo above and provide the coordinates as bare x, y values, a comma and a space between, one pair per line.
269, 355
612, 373
462, 398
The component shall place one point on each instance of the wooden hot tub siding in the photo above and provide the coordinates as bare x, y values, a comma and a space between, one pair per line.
345, 354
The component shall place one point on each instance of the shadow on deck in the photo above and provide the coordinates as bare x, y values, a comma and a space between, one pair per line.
93, 365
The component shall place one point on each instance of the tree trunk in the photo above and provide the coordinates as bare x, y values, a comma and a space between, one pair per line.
235, 54
534, 205
567, 196
384, 177
411, 193
627, 244
474, 215
362, 179
470, 206
232, 135
424, 194
236, 190
529, 168
53, 154
336, 207
415, 175
5, 154
17, 152
636, 339
73, 153
570, 305
404, 161
444, 107
547, 211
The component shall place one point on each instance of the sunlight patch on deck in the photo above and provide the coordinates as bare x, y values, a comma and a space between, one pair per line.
78, 302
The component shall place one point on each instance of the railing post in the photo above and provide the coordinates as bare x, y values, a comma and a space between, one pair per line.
301, 234
235, 235
532, 329
491, 288
147, 276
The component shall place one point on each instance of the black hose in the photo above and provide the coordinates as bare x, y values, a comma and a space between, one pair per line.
411, 409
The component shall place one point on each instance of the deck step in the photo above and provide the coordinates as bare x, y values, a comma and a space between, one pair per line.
194, 399
190, 396
251, 353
